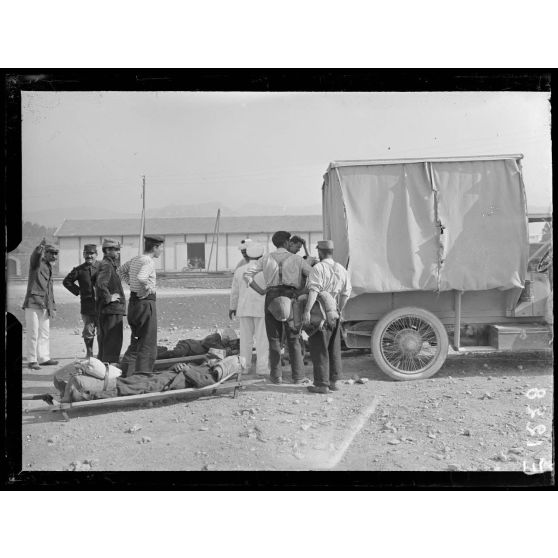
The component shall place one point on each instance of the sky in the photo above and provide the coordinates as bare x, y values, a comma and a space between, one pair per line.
237, 148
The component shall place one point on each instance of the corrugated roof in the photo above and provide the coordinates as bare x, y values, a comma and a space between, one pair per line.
190, 225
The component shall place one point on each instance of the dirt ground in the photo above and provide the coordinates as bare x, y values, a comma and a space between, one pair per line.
479, 413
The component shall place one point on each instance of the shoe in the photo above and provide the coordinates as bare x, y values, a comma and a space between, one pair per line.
318, 389
49, 362
302, 381
276, 381
34, 366
334, 386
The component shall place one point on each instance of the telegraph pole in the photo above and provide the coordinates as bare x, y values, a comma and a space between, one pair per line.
142, 226
217, 243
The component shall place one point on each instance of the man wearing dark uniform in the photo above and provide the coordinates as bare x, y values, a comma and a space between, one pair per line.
39, 305
85, 275
140, 274
111, 303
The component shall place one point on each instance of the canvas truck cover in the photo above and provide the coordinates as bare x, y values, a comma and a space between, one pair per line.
434, 225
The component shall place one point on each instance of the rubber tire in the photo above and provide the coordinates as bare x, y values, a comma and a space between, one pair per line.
434, 323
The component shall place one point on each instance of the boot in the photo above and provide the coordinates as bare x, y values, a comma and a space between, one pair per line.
88, 347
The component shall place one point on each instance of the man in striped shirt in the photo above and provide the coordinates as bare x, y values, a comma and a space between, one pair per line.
139, 273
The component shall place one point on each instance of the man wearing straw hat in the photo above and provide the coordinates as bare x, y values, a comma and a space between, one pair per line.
140, 274
85, 275
330, 277
111, 303
39, 305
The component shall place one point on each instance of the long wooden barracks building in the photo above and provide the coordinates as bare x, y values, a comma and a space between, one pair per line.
190, 242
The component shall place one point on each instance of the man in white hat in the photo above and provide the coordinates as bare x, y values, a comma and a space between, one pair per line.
242, 247
248, 306
325, 344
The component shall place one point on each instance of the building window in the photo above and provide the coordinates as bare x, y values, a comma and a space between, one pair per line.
195, 252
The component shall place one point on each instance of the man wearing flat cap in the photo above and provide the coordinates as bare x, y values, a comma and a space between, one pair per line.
85, 276
140, 274
39, 305
329, 277
111, 303
284, 275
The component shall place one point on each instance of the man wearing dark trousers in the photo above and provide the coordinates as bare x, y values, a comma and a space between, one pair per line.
284, 274
325, 344
85, 276
140, 274
111, 303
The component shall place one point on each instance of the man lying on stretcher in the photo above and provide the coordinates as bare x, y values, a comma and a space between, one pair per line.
89, 379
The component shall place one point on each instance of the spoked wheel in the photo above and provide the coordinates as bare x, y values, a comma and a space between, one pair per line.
410, 344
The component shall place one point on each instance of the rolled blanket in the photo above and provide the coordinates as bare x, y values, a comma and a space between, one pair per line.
323, 314
227, 366
76, 380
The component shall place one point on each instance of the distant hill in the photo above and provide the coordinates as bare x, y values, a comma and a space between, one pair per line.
55, 217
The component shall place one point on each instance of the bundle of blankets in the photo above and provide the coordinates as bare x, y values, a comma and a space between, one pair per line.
192, 347
89, 379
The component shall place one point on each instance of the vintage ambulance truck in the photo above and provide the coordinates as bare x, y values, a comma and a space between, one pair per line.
437, 250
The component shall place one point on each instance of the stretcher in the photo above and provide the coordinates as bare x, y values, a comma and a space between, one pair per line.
224, 384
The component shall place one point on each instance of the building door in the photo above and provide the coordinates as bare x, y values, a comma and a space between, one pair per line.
196, 255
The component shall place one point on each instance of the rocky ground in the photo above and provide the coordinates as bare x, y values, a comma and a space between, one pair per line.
487, 413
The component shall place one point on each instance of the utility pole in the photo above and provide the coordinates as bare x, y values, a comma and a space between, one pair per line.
142, 226
217, 243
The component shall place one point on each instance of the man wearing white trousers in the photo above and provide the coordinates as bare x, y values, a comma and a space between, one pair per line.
39, 305
248, 306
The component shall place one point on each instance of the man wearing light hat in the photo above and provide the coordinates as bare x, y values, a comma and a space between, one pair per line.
85, 276
248, 306
111, 303
140, 274
242, 247
284, 274
39, 305
330, 277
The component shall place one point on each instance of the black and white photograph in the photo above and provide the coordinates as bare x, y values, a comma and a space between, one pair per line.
285, 280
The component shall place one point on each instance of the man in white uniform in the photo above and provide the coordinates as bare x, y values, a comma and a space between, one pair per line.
248, 306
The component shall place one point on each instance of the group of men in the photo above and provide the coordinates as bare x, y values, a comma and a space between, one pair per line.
103, 303
263, 293
264, 290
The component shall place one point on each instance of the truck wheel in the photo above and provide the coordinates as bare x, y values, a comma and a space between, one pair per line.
410, 344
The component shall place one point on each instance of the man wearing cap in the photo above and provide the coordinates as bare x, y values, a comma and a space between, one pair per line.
85, 275
111, 303
284, 274
39, 305
325, 344
140, 274
242, 247
248, 306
